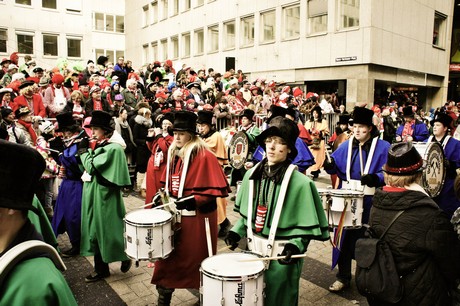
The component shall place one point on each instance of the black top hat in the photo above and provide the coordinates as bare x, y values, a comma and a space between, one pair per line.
26, 84
362, 115
65, 121
193, 85
20, 170
291, 112
102, 120
82, 82
37, 69
185, 121
275, 112
248, 113
343, 119
21, 111
284, 128
5, 111
444, 119
205, 117
408, 111
403, 159
102, 59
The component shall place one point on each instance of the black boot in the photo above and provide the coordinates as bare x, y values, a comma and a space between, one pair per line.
224, 228
164, 296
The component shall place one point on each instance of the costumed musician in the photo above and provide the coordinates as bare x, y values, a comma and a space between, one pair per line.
412, 129
318, 129
358, 164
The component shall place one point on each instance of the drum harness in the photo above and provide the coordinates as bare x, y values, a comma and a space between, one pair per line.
262, 246
444, 142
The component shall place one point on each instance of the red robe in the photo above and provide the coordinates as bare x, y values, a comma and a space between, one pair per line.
206, 181
39, 108
159, 148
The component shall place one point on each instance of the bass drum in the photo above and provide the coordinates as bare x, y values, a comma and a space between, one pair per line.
238, 150
435, 173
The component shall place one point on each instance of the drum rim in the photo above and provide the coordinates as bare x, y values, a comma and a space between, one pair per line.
147, 224
232, 278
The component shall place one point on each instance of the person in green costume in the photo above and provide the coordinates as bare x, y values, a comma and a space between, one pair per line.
281, 212
28, 276
103, 209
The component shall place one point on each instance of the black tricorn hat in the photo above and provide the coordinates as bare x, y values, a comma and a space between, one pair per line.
284, 128
408, 111
205, 117
26, 84
444, 119
65, 121
20, 170
403, 159
248, 113
185, 121
362, 115
343, 119
102, 120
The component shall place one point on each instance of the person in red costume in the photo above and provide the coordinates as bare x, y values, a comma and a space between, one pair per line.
28, 98
195, 198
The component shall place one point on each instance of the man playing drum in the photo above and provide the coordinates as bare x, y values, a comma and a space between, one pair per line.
280, 203
447, 200
358, 164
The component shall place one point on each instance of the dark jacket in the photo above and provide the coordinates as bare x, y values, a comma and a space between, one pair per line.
425, 247
140, 131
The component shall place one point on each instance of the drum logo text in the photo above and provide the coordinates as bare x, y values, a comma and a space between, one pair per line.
240, 295
148, 238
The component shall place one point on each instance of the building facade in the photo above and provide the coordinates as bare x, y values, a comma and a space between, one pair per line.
362, 50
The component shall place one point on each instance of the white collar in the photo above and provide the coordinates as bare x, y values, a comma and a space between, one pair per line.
416, 187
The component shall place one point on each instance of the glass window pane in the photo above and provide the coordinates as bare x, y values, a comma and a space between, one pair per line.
229, 35
99, 52
154, 51
24, 2
187, 4
164, 49
51, 4
74, 47
120, 20
99, 21
199, 40
50, 45
268, 25
3, 40
175, 47
291, 22
175, 7
199, 2
439, 30
111, 55
25, 44
348, 14
164, 8
109, 24
118, 54
154, 15
247, 31
145, 53
213, 34
186, 44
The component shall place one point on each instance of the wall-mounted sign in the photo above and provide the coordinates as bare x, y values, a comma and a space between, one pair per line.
346, 59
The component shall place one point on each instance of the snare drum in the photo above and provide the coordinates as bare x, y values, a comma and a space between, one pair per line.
435, 173
226, 279
346, 202
324, 194
148, 234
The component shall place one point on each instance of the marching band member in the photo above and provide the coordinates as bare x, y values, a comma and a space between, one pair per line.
277, 202
195, 179
447, 200
103, 210
358, 164
412, 129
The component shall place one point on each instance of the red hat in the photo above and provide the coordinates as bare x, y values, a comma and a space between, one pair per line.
297, 92
253, 87
207, 107
271, 84
286, 89
311, 94
161, 94
169, 63
57, 78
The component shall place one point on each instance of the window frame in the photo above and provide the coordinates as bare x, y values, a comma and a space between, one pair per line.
441, 30
212, 39
21, 50
226, 35
70, 39
247, 41
284, 11
4, 43
342, 20
263, 17
186, 47
199, 46
56, 46
50, 8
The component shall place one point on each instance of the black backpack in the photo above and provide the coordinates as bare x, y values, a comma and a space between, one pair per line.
376, 275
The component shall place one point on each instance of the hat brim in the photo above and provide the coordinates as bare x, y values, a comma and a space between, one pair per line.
108, 129
274, 131
185, 130
405, 172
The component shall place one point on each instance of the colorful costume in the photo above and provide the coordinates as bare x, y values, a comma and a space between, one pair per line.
416, 129
318, 130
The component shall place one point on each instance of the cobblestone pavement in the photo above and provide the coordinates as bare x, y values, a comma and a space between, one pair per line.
134, 288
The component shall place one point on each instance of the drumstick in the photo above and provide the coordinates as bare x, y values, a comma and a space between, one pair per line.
208, 236
272, 258
156, 207
328, 156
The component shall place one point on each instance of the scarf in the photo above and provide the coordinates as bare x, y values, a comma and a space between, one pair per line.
30, 129
97, 105
408, 130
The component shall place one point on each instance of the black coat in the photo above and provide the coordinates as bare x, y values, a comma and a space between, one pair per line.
140, 132
424, 245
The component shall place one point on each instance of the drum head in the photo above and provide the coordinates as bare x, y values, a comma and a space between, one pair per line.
147, 217
232, 265
345, 193
238, 150
435, 172
323, 190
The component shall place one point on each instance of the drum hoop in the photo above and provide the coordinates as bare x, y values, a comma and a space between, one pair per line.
427, 150
231, 149
148, 224
232, 278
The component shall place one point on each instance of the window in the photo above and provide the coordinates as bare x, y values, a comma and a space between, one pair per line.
247, 31
111, 55
145, 16
267, 26
24, 2
291, 22
175, 47
347, 13
164, 49
213, 35
186, 44
229, 35
99, 22
25, 43
164, 9
109, 23
74, 47
120, 24
145, 53
154, 12
317, 16
154, 51
118, 54
439, 30
50, 45
187, 4
199, 2
50, 4
175, 7
99, 52
3, 40
199, 42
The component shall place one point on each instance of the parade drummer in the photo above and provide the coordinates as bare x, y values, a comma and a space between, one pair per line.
358, 164
412, 129
446, 199
30, 277
216, 144
194, 178
247, 126
289, 216
103, 210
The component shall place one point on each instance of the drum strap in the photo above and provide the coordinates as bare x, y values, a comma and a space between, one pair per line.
183, 174
276, 217
369, 158
444, 142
